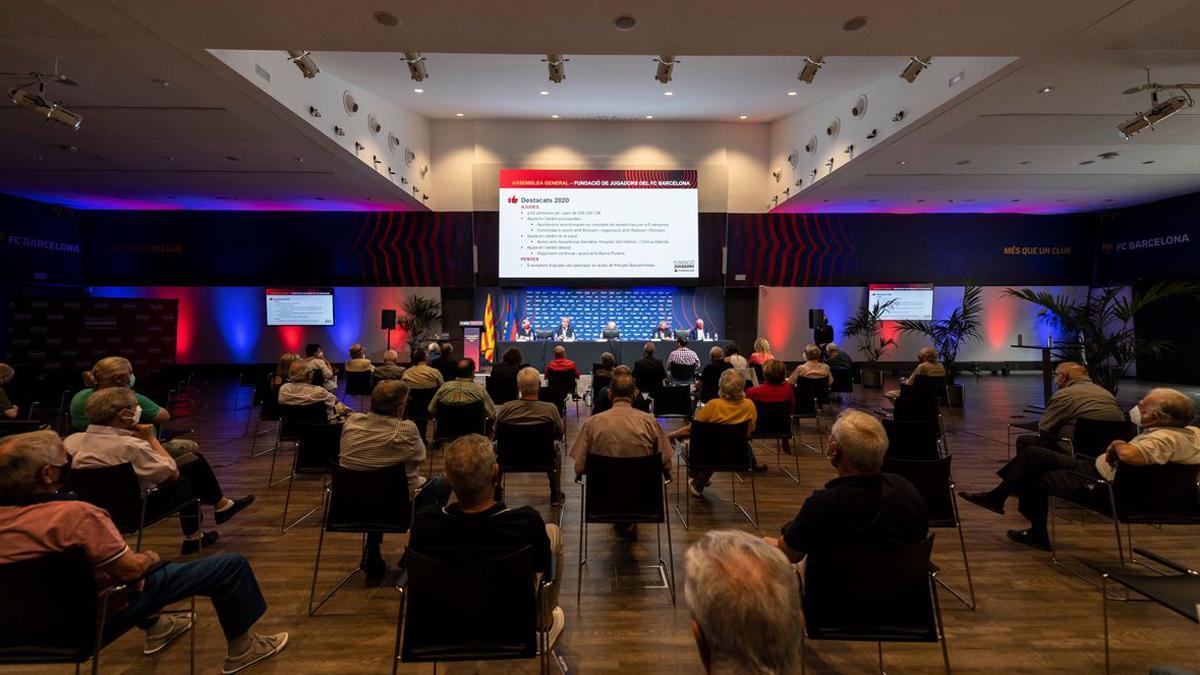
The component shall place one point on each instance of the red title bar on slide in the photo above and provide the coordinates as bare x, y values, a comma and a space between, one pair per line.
619, 179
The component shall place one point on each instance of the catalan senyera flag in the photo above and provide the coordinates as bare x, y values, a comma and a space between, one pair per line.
487, 343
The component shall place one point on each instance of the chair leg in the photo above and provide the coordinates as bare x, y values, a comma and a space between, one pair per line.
670, 551
802, 652
1104, 611
192, 646
962, 543
399, 626
879, 648
582, 543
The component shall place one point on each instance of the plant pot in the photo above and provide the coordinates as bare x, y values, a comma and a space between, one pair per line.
956, 396
871, 379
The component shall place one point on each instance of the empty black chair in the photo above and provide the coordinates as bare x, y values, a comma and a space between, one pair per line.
775, 422
555, 396
359, 383
506, 623
529, 448
563, 383
116, 489
647, 383
626, 490
10, 427
288, 429
317, 450
674, 401
843, 381
1091, 438
810, 393
501, 386
680, 373
361, 502
719, 447
417, 408
454, 420
599, 382
913, 440
933, 479
268, 412
927, 386
52, 611
872, 594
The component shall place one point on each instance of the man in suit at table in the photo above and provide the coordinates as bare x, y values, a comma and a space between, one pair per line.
698, 332
525, 332
663, 332
565, 332
610, 332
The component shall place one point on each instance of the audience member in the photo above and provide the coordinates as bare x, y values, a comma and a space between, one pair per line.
604, 395
744, 599
36, 520
446, 364
117, 371
503, 377
420, 375
649, 372
1035, 473
812, 367
477, 527
115, 437
280, 376
528, 410
733, 354
379, 439
7, 408
682, 356
836, 359
390, 370
622, 431
435, 352
1077, 397
762, 352
927, 365
606, 365
358, 360
775, 389
463, 390
730, 407
314, 356
301, 391
862, 506
561, 363
710, 376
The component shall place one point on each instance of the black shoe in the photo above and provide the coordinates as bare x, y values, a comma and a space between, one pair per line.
759, 467
238, 505
376, 570
190, 546
1030, 538
984, 499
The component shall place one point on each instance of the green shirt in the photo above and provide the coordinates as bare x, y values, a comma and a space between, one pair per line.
79, 418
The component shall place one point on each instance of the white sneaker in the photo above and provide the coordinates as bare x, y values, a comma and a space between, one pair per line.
695, 491
557, 624
263, 647
177, 625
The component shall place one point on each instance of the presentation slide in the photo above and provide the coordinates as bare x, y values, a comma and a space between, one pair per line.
598, 224
299, 306
912, 301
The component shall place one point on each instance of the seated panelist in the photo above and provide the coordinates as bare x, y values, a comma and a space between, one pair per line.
698, 332
663, 332
610, 332
525, 332
565, 332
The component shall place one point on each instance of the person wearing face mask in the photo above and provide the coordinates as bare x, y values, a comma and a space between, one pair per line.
115, 437
1035, 474
1077, 398
862, 505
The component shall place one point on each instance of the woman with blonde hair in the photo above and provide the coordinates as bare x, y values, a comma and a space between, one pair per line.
762, 352
730, 407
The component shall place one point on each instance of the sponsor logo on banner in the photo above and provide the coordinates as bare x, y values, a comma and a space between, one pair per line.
1152, 242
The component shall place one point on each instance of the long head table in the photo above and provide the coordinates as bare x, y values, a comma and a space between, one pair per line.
586, 352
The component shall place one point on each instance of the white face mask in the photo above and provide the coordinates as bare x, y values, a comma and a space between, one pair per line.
132, 380
1135, 416
137, 414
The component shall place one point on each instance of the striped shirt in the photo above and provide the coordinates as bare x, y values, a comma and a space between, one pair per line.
463, 392
371, 441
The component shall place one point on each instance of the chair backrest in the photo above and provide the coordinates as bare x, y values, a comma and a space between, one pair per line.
551, 395
114, 489
758, 371
50, 609
269, 412
843, 380
291, 416
417, 407
912, 440
1157, 493
469, 610
910, 409
459, 420
358, 383
673, 401
502, 387
932, 478
1092, 437
719, 447
317, 447
10, 427
561, 380
710, 387
681, 373
369, 501
871, 593
524, 448
646, 382
599, 382
929, 386
774, 420
806, 400
624, 490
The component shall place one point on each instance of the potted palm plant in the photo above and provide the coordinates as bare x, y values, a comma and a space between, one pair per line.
422, 317
1102, 326
948, 335
866, 327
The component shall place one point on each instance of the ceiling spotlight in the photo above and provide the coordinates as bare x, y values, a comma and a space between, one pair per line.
554, 63
339, 131
1159, 111
387, 19
741, 117
544, 93
625, 22
899, 116
458, 114
1045, 90
649, 117
1109, 155
811, 65
51, 110
162, 83
416, 66
304, 61
792, 93
554, 117
854, 23
418, 90
359, 146
915, 65
312, 110
873, 134
668, 93
666, 66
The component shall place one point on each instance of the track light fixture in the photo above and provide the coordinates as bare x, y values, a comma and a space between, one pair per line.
304, 61
416, 66
666, 66
1159, 110
915, 65
51, 110
554, 63
811, 65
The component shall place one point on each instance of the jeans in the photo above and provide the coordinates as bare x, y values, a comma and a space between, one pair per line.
435, 491
226, 579
1036, 473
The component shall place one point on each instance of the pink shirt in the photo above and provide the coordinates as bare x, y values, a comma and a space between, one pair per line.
53, 526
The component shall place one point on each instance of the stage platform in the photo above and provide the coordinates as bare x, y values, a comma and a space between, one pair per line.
586, 352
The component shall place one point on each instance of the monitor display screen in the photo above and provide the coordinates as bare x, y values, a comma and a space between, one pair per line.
909, 301
299, 306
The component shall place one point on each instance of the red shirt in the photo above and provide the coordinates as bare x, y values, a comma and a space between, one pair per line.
563, 365
53, 526
758, 359
773, 393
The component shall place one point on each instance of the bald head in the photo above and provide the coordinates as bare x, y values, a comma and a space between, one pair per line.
390, 356
1167, 408
560, 352
1069, 372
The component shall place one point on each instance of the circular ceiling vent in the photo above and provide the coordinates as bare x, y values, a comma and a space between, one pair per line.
409, 156
349, 103
794, 159
859, 108
811, 146
393, 142
373, 124
833, 128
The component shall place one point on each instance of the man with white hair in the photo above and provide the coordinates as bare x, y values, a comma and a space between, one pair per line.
927, 366
1035, 474
610, 332
528, 410
836, 359
37, 520
1077, 397
862, 505
478, 527
745, 604
390, 370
